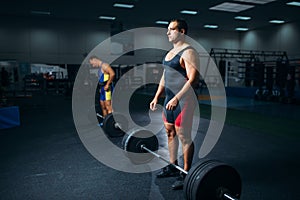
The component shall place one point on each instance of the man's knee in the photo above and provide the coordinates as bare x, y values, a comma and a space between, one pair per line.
171, 133
108, 103
185, 140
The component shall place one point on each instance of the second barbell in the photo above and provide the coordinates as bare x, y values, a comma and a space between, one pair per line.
114, 124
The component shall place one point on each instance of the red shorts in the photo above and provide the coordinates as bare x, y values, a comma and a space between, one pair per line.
182, 115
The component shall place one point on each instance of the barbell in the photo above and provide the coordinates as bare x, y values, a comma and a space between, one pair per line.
207, 180
114, 124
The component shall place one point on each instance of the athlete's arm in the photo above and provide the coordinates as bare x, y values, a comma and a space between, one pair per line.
190, 61
158, 93
108, 70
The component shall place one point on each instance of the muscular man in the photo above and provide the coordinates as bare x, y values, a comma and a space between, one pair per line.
180, 73
106, 76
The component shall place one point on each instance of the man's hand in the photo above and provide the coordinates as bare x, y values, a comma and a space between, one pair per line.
106, 87
171, 105
153, 104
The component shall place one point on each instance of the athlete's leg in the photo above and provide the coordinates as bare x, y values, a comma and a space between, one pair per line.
173, 142
184, 135
103, 107
107, 102
108, 106
183, 128
102, 102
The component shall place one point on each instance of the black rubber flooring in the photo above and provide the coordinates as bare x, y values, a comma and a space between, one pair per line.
45, 159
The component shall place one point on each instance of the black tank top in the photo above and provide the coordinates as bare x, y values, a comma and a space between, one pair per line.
175, 75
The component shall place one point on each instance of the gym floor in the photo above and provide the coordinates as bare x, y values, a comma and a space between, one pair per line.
44, 158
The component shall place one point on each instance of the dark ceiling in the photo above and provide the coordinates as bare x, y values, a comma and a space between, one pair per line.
146, 12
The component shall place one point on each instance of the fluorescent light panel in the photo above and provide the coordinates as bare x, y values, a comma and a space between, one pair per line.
107, 17
189, 12
38, 12
161, 22
241, 29
276, 21
231, 7
242, 17
123, 5
256, 1
293, 3
210, 26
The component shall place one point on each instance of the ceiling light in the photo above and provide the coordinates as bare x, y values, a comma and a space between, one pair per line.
189, 12
210, 26
37, 12
161, 22
276, 21
241, 29
107, 17
231, 7
293, 3
242, 17
122, 5
256, 1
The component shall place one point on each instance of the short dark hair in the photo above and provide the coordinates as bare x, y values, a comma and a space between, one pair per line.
181, 24
93, 57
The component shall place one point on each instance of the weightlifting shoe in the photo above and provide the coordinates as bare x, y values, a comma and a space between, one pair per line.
168, 171
178, 184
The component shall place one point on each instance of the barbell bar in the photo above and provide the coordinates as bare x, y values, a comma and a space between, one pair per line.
208, 179
162, 158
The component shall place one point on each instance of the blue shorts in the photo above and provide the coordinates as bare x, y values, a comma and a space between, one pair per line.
106, 95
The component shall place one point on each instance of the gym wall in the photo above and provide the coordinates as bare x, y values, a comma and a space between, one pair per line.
44, 40
283, 37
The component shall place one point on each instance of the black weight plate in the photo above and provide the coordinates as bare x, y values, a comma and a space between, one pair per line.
191, 176
212, 179
193, 187
133, 141
109, 125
